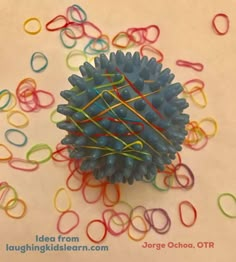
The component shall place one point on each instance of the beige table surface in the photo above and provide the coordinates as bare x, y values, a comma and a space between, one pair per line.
186, 33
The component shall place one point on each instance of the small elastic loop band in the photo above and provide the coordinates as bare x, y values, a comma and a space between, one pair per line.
74, 26
61, 217
226, 18
151, 41
72, 53
78, 10
9, 203
9, 153
13, 163
220, 206
204, 103
212, 121
30, 20
129, 43
187, 203
131, 226
195, 66
67, 197
17, 112
38, 55
104, 234
36, 148
52, 117
3, 93
13, 130
55, 19
153, 50
62, 38
14, 199
49, 104
11, 104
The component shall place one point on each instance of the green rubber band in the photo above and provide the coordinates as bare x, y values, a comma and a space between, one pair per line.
170, 178
52, 115
3, 93
14, 199
36, 148
41, 56
82, 11
62, 39
11, 130
92, 51
221, 208
72, 53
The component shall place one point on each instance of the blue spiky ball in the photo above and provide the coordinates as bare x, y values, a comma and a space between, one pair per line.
124, 119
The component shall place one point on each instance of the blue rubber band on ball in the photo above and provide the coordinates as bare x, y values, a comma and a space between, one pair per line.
123, 117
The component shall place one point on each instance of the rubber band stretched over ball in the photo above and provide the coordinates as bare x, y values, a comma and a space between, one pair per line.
123, 117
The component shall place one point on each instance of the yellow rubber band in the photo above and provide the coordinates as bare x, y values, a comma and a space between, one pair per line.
30, 20
56, 197
15, 112
212, 121
16, 216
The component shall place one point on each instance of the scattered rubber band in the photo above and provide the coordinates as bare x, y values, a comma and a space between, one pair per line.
14, 199
25, 25
67, 197
63, 41
187, 203
12, 163
61, 217
79, 10
74, 53
131, 226
56, 19
6, 209
195, 66
38, 55
153, 50
3, 93
226, 19
17, 112
36, 148
220, 206
104, 234
13, 130
9, 153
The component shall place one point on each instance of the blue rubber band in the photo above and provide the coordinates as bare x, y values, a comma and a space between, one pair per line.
81, 10
41, 56
92, 51
12, 130
62, 40
8, 100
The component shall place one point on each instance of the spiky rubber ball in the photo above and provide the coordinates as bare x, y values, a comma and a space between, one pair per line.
124, 118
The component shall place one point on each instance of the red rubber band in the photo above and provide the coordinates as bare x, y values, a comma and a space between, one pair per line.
181, 215
105, 230
59, 17
226, 18
190, 173
19, 160
70, 229
48, 94
105, 195
125, 225
153, 50
76, 26
195, 66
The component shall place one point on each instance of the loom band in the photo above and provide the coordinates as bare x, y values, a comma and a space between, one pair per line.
68, 200
17, 112
130, 41
24, 90
168, 186
195, 66
202, 105
195, 89
38, 55
194, 146
132, 216
220, 205
131, 225
199, 85
100, 193
104, 234
9, 153
151, 41
71, 175
111, 202
150, 220
153, 50
96, 183
76, 164
52, 117
6, 209
210, 120
56, 19
27, 21
79, 10
63, 41
95, 51
29, 81
190, 173
139, 31
171, 167
103, 39
13, 130
73, 53
3, 185
213, 23
71, 228
11, 104
15, 196
3, 93
125, 225
48, 94
169, 181
122, 202
189, 204
12, 163
60, 153
88, 25
76, 26
36, 148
